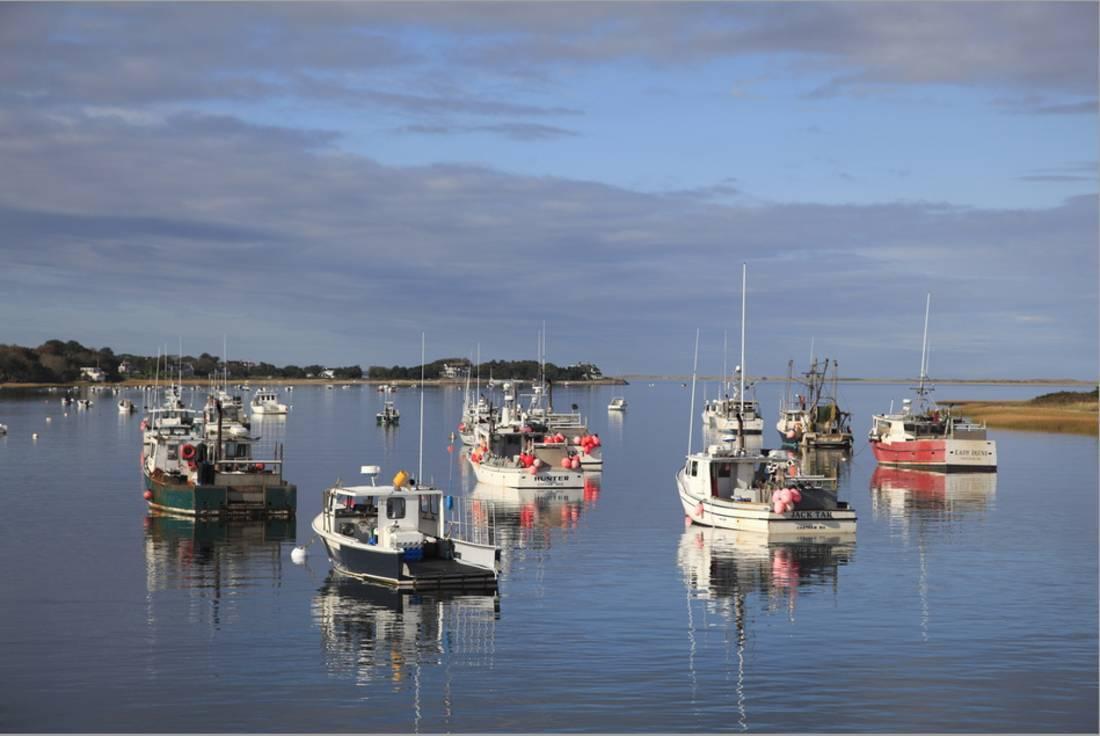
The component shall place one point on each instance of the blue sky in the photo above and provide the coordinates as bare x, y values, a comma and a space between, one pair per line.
321, 181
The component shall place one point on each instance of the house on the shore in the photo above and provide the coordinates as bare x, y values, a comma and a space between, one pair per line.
328, 373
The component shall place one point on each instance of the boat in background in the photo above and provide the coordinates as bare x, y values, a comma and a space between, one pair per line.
928, 437
814, 419
389, 416
267, 403
125, 406
618, 403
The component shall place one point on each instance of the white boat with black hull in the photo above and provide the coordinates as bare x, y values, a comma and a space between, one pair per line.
125, 406
398, 535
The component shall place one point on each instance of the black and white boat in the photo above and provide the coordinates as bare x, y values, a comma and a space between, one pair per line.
400, 534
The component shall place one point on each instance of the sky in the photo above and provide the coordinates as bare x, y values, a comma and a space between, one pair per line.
322, 182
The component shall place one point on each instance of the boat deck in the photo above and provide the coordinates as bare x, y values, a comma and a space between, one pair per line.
433, 574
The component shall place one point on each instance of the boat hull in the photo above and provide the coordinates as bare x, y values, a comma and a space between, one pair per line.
945, 455
522, 478
379, 565
759, 518
209, 501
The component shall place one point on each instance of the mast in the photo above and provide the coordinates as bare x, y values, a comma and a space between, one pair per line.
924, 348
420, 456
694, 371
741, 389
725, 353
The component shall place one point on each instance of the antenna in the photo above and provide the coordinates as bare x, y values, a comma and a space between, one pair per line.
694, 371
811, 352
420, 458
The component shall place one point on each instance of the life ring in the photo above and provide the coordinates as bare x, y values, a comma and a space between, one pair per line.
188, 452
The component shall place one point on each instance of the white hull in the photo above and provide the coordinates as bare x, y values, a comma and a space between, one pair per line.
521, 478
759, 518
269, 410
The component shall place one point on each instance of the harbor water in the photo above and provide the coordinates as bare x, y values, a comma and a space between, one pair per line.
963, 603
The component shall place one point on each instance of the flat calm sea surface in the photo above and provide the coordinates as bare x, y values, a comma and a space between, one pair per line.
964, 603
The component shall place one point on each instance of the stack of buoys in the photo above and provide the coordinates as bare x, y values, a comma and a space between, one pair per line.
554, 439
785, 499
475, 456
526, 459
588, 442
536, 466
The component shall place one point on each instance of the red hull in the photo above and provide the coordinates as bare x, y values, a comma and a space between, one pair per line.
932, 455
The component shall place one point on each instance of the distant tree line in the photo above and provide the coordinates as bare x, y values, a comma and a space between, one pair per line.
60, 362
56, 361
520, 370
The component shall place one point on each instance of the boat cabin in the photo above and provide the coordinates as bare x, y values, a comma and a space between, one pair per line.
396, 518
726, 474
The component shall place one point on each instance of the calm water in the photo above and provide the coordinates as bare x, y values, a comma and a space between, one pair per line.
962, 605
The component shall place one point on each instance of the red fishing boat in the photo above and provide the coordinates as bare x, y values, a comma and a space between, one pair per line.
927, 436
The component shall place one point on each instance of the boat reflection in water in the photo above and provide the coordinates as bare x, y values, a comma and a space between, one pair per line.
903, 494
920, 503
723, 568
373, 633
526, 518
211, 558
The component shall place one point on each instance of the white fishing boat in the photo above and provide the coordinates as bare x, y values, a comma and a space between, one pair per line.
267, 403
618, 403
930, 437
730, 486
84, 403
525, 459
730, 413
389, 416
125, 406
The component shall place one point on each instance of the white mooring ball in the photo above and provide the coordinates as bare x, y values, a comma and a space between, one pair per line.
298, 555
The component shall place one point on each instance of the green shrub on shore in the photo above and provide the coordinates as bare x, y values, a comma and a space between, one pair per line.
1067, 397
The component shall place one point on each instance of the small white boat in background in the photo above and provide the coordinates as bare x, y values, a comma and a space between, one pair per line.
267, 403
125, 406
83, 403
618, 403
3, 429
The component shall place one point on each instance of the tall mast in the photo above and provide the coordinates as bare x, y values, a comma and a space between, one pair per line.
725, 353
741, 389
694, 371
924, 348
420, 457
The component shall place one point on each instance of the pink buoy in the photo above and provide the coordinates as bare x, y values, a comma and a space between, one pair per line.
148, 495
575, 464
576, 439
777, 507
796, 495
565, 463
784, 495
790, 434
596, 441
533, 470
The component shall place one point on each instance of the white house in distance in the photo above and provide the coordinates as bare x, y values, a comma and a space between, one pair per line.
450, 371
93, 374
328, 373
125, 367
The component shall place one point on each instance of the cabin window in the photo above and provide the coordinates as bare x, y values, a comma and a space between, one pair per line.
395, 508
429, 507
172, 450
724, 470
694, 468
910, 427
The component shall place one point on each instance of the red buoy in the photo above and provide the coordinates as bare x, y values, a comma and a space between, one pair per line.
148, 495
